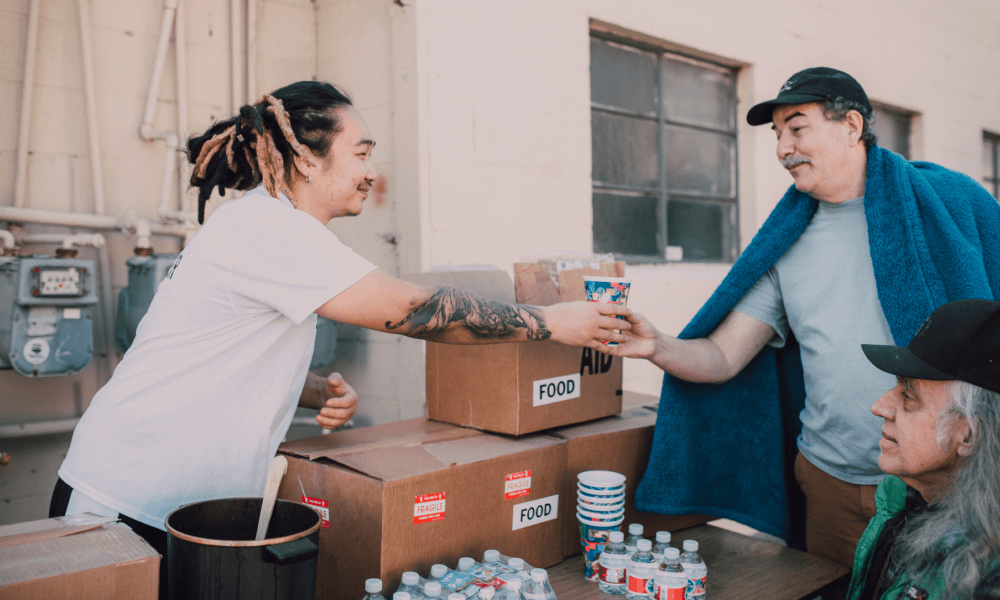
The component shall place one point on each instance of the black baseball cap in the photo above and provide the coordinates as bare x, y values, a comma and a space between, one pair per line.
813, 85
960, 340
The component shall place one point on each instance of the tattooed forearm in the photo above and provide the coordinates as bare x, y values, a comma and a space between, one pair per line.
483, 319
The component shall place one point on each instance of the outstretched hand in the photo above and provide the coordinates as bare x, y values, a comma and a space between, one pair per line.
640, 341
586, 324
340, 402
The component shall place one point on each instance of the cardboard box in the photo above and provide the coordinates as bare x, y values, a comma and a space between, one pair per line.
622, 444
512, 388
77, 557
406, 495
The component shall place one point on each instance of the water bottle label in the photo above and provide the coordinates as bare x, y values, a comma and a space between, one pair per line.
640, 586
428, 507
669, 593
517, 485
612, 575
696, 587
459, 582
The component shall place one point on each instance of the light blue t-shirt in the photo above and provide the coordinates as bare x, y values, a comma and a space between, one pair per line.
823, 290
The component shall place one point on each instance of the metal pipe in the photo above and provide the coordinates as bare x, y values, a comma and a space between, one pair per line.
96, 178
6, 239
20, 430
180, 50
66, 240
251, 50
100, 222
235, 45
27, 91
146, 131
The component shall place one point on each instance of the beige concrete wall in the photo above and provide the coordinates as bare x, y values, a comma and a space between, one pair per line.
508, 113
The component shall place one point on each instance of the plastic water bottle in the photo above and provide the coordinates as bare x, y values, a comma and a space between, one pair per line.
540, 579
613, 564
373, 589
634, 535
438, 571
487, 593
410, 584
695, 570
640, 572
492, 556
401, 596
465, 563
521, 568
671, 580
510, 591
432, 590
662, 543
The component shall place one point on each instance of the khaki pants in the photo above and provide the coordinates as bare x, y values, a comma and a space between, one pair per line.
837, 512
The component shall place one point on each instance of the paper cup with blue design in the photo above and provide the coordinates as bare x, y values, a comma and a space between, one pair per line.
593, 537
607, 289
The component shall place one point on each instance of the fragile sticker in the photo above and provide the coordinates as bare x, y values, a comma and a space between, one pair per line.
517, 485
428, 507
535, 512
322, 506
555, 389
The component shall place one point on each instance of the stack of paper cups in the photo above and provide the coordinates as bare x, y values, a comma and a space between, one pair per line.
600, 508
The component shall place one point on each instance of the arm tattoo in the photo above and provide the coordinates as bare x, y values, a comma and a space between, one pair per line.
484, 319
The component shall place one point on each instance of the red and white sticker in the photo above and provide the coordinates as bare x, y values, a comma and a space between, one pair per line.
517, 485
322, 505
428, 507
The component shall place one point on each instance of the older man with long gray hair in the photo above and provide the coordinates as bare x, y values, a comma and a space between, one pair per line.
936, 533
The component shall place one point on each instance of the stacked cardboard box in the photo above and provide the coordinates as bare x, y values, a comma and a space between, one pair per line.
79, 557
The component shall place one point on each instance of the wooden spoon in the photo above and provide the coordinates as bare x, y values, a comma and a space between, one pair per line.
278, 467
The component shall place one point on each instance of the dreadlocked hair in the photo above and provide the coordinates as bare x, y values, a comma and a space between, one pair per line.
256, 146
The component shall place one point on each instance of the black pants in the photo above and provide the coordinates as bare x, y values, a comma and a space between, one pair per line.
153, 536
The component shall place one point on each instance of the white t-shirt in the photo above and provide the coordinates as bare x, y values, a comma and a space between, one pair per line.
198, 405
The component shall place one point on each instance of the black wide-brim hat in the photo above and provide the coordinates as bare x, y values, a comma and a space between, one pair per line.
959, 341
816, 84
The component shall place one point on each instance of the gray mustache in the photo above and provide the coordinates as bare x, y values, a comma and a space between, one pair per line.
792, 161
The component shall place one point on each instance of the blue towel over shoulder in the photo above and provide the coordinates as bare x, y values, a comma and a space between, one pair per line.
725, 450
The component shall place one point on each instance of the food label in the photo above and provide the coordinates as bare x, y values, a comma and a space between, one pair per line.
696, 587
428, 507
665, 593
555, 389
322, 505
517, 485
612, 575
535, 512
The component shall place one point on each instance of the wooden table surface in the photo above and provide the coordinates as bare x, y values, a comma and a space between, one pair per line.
739, 567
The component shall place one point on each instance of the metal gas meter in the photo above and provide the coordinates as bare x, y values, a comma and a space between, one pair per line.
45, 321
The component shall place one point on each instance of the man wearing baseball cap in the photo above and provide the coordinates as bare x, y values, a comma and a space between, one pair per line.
937, 530
861, 248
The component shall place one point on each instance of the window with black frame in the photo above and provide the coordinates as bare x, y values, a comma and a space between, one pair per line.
893, 129
663, 129
991, 163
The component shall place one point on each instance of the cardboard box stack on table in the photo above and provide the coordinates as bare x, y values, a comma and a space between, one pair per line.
493, 466
77, 557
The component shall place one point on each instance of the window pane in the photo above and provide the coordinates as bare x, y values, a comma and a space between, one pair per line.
626, 224
624, 150
988, 158
701, 229
893, 129
697, 94
622, 77
699, 162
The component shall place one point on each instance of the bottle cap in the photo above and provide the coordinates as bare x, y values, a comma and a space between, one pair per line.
491, 556
410, 578
401, 596
539, 575
662, 537
635, 529
616, 537
432, 589
690, 546
438, 571
373, 586
514, 584
644, 545
456, 596
465, 563
516, 563
672, 553
487, 593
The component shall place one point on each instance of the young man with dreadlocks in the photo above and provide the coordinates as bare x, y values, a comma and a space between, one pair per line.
936, 532
200, 402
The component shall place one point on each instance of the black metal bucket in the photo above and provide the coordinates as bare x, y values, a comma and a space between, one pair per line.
212, 553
